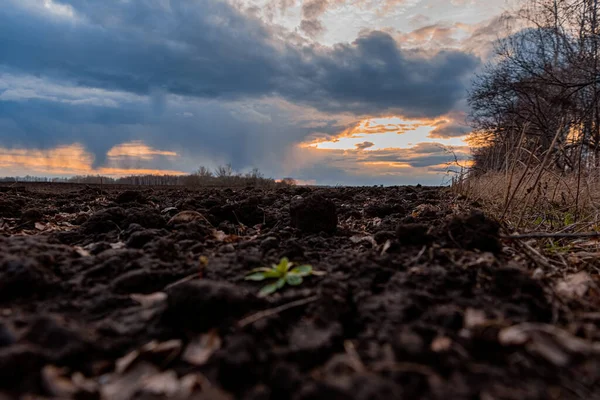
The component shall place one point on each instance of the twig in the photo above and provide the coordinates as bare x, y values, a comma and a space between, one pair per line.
181, 281
274, 311
541, 235
535, 256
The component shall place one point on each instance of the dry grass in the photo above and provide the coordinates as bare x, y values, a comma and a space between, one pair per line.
563, 212
527, 200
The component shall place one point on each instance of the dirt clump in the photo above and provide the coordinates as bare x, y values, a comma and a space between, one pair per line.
474, 231
130, 196
313, 214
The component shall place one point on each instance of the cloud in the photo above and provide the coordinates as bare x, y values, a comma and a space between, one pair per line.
452, 125
202, 80
364, 145
210, 49
66, 161
423, 163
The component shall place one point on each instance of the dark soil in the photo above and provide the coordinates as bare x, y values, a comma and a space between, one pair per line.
420, 299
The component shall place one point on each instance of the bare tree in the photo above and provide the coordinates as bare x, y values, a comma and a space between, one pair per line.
204, 172
224, 171
544, 82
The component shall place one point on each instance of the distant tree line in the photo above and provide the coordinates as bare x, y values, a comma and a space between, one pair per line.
538, 100
221, 176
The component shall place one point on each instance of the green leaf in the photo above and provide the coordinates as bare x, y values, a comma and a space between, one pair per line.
272, 274
283, 265
258, 276
280, 283
294, 279
303, 270
267, 290
271, 288
260, 270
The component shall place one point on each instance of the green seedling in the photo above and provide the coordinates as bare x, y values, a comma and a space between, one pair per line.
284, 273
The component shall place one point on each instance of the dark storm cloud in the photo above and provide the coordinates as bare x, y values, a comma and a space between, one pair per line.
208, 49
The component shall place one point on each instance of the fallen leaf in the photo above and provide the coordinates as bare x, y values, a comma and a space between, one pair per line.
167, 350
123, 363
117, 246
575, 285
149, 300
550, 350
359, 238
185, 217
81, 251
441, 344
220, 235
550, 342
192, 382
199, 351
513, 336
165, 383
474, 318
57, 383
386, 247
124, 386
39, 226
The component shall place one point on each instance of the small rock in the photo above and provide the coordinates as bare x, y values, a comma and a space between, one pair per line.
227, 248
313, 214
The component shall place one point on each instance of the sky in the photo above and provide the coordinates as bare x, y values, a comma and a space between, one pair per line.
330, 92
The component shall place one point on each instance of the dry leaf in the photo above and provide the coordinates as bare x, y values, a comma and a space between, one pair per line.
199, 351
189, 383
117, 246
165, 383
167, 350
359, 238
220, 235
123, 363
441, 344
547, 348
386, 247
149, 300
39, 226
513, 336
81, 251
124, 386
185, 217
575, 285
552, 343
56, 382
474, 318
